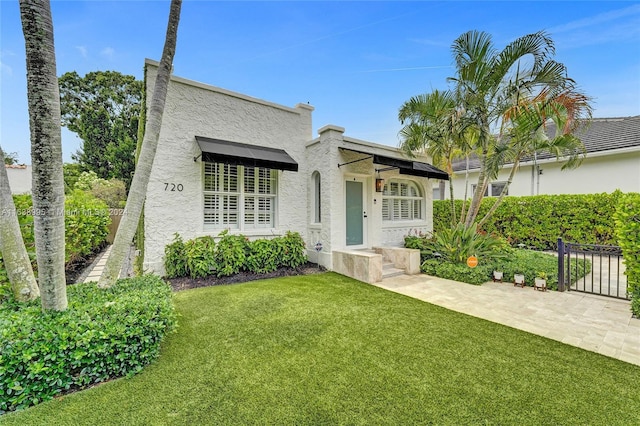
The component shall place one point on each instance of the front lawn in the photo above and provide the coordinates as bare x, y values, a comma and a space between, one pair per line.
325, 349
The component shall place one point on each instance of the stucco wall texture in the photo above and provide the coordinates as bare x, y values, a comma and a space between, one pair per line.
196, 109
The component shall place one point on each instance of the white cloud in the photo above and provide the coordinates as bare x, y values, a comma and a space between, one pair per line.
6, 69
83, 51
108, 52
597, 19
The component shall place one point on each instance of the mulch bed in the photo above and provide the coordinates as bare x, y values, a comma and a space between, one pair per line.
186, 283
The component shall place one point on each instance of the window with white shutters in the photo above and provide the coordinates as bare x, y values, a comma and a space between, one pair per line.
401, 201
239, 197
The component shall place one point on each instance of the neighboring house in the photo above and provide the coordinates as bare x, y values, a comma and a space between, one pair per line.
230, 161
19, 178
612, 163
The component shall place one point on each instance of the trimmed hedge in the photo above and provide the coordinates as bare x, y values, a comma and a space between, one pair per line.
105, 333
233, 253
538, 221
627, 220
86, 223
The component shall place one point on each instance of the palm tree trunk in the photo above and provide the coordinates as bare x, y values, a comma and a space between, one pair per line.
495, 205
466, 189
46, 152
453, 202
483, 181
14, 254
138, 190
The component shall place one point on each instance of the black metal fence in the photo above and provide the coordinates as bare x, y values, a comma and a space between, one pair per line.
592, 268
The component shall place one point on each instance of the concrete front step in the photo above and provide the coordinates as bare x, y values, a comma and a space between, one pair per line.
389, 273
389, 270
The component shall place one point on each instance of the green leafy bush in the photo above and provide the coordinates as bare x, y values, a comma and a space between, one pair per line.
538, 221
457, 272
457, 244
293, 251
627, 220
200, 256
105, 333
263, 256
175, 259
230, 254
86, 224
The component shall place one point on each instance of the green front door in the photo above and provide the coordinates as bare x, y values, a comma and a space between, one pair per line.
355, 213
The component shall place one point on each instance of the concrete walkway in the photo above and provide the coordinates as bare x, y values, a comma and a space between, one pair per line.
95, 273
595, 323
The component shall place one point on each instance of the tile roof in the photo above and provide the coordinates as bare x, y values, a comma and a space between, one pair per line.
601, 134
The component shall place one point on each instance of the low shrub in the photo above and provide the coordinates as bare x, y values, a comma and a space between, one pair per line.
530, 264
527, 262
263, 256
457, 244
102, 335
86, 224
175, 259
231, 254
293, 251
200, 256
457, 272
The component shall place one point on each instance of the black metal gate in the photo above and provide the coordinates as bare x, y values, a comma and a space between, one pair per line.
592, 268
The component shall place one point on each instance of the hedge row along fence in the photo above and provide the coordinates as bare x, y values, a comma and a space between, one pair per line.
627, 218
86, 225
538, 221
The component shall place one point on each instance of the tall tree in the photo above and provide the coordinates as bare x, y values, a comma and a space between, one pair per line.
490, 82
529, 132
434, 126
138, 190
46, 151
14, 254
103, 109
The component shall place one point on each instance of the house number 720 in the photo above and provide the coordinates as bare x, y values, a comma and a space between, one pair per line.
173, 187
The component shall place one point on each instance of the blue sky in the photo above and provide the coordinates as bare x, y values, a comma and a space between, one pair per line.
355, 62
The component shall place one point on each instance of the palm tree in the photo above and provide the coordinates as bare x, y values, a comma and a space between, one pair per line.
138, 189
490, 82
14, 254
433, 127
527, 123
46, 152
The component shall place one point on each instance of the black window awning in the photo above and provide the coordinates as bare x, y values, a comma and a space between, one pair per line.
406, 167
242, 154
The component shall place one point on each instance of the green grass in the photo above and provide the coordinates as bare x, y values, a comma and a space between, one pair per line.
326, 349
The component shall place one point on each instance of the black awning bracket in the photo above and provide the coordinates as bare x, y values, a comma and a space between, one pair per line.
355, 161
196, 158
386, 169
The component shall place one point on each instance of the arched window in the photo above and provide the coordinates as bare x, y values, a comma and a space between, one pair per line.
317, 198
401, 200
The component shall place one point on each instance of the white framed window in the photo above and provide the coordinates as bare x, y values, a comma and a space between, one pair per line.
401, 200
317, 198
239, 197
494, 189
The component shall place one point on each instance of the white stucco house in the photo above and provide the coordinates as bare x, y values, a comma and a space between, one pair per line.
19, 178
229, 161
612, 163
